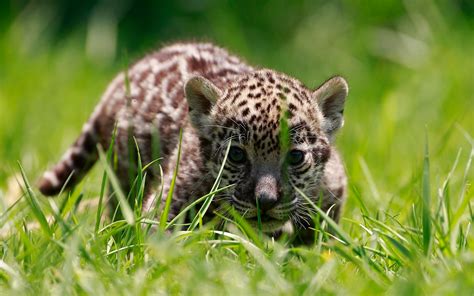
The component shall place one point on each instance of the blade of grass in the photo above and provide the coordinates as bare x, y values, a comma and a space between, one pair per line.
400, 247
358, 197
370, 180
259, 218
202, 211
103, 184
426, 214
156, 201
169, 197
262, 260
194, 203
34, 204
443, 193
124, 205
342, 235
320, 277
464, 200
244, 227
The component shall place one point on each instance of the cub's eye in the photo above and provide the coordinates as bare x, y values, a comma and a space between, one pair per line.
237, 155
295, 157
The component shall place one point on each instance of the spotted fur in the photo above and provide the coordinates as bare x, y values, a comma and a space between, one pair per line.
217, 99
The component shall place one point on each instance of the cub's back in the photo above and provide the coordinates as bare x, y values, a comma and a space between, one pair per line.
155, 97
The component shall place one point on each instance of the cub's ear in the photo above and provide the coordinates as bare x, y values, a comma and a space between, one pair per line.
331, 96
201, 95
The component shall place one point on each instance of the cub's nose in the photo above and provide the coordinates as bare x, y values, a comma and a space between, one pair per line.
267, 190
266, 201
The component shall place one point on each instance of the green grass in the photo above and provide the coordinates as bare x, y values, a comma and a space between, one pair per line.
407, 144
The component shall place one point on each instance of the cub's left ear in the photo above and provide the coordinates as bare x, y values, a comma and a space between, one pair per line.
331, 96
201, 95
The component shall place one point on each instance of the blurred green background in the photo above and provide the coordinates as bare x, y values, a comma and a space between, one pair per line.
409, 64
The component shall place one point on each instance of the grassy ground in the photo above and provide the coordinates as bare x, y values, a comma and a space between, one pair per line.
407, 144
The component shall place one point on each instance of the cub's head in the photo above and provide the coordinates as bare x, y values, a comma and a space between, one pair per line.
280, 134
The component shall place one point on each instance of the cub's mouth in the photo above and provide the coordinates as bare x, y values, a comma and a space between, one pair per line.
266, 223
269, 220
263, 219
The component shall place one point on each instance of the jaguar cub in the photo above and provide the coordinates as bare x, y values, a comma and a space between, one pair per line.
218, 100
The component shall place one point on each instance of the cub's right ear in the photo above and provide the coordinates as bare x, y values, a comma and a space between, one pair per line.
201, 94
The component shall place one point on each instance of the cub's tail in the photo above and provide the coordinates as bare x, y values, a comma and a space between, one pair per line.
74, 164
